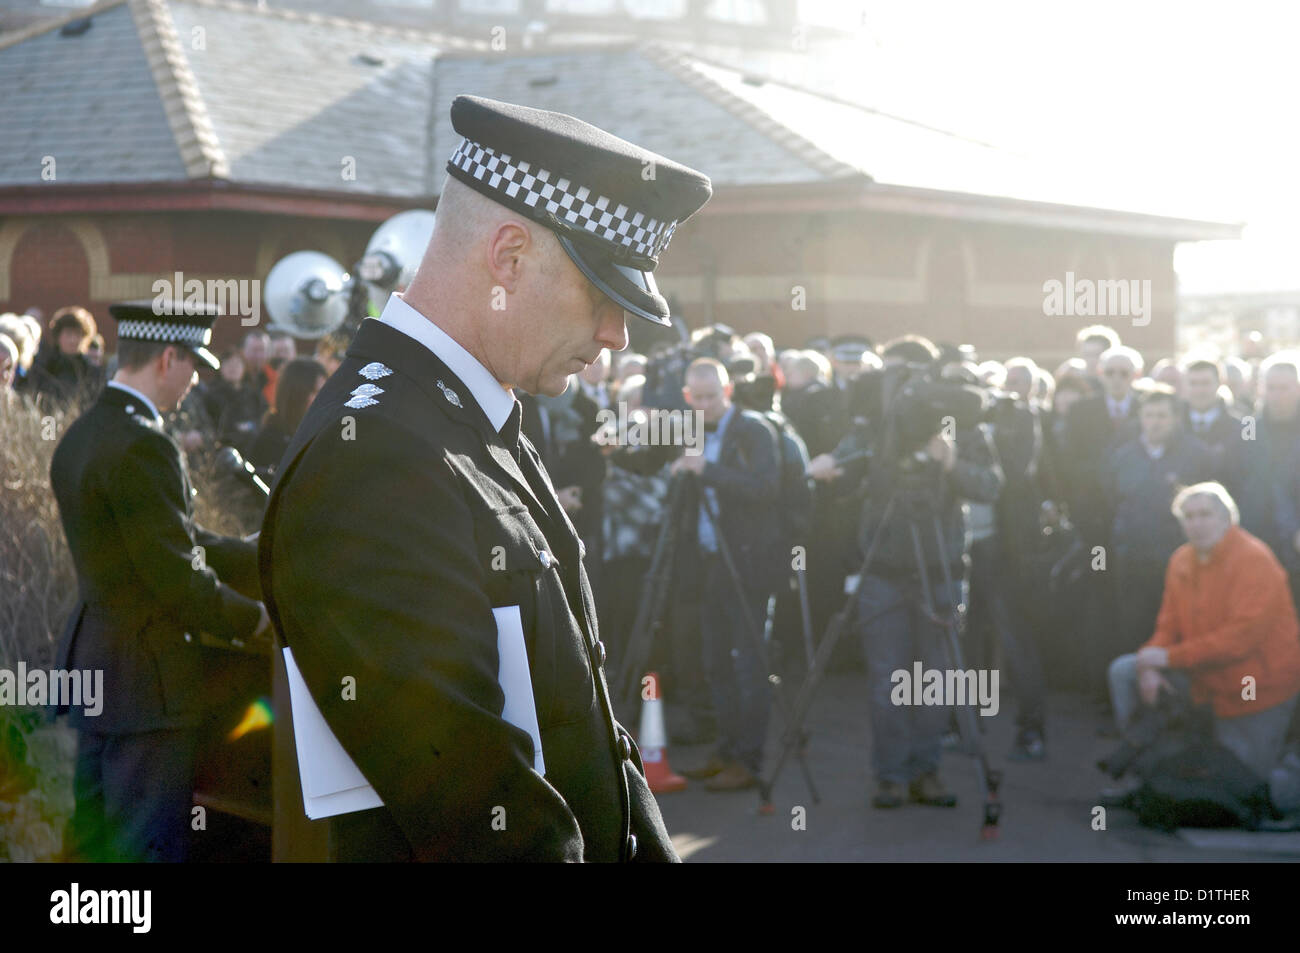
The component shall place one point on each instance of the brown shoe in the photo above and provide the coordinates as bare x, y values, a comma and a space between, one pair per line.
734, 777
714, 766
928, 789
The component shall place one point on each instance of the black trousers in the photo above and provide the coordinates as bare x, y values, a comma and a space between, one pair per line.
998, 614
134, 796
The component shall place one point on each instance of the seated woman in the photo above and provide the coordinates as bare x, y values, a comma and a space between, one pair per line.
296, 387
1226, 633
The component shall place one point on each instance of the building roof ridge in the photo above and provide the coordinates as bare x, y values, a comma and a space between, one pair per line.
178, 90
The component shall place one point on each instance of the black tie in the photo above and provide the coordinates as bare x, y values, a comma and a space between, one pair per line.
510, 429
533, 475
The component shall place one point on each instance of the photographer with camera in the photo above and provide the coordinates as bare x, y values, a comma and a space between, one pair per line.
738, 481
926, 453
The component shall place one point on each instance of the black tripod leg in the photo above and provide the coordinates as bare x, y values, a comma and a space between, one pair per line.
805, 614
839, 624
654, 591
750, 624
965, 716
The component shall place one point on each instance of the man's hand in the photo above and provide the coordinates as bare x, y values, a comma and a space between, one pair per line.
944, 450
570, 498
823, 467
689, 464
1150, 683
1153, 657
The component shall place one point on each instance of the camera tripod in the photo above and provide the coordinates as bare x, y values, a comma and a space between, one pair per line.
649, 621
913, 503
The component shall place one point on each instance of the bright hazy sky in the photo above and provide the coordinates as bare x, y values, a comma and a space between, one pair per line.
1195, 104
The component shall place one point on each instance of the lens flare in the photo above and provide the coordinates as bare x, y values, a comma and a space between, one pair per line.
257, 716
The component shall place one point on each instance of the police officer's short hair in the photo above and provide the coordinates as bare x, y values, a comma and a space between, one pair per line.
133, 355
1215, 491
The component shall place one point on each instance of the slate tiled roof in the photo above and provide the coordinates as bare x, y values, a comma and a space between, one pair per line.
169, 90
307, 104
90, 102
635, 93
159, 91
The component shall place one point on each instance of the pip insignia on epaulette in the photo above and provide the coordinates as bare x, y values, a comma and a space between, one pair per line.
373, 371
364, 396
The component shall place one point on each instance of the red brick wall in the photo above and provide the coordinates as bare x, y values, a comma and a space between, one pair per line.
863, 272
978, 283
50, 268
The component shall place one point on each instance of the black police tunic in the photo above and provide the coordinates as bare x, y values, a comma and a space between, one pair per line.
399, 519
150, 579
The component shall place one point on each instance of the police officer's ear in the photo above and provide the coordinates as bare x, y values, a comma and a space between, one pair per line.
508, 242
170, 356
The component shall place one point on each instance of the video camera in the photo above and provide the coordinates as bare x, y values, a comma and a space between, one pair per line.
666, 370
901, 407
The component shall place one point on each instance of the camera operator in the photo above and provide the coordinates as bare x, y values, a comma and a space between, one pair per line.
928, 468
738, 481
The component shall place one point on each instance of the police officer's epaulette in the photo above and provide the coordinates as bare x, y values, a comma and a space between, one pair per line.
370, 392
367, 393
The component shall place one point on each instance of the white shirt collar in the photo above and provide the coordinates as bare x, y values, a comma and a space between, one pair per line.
135, 393
1155, 453
496, 400
1208, 416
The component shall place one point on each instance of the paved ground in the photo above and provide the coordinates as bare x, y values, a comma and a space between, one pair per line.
1046, 813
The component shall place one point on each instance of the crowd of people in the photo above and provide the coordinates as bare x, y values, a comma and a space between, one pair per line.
253, 404
1115, 526
1059, 519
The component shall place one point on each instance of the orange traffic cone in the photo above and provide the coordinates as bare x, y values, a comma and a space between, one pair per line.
653, 740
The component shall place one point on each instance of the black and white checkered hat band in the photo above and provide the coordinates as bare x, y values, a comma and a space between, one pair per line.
604, 218
191, 335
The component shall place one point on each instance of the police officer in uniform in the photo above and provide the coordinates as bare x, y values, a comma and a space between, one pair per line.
150, 581
409, 506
